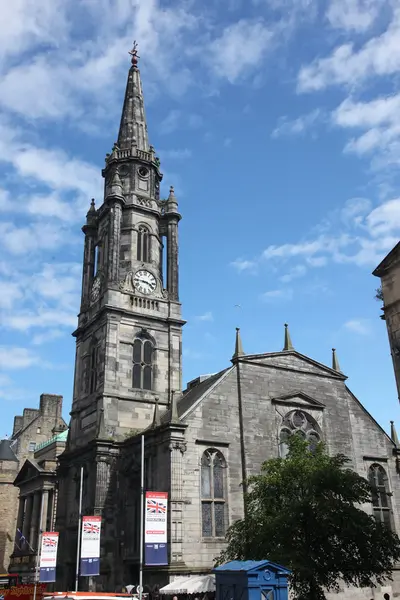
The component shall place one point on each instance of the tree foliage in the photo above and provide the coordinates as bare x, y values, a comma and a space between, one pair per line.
305, 513
379, 294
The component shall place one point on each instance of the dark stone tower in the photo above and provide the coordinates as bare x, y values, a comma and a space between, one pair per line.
128, 339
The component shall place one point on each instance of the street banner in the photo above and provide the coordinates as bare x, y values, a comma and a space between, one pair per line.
48, 557
155, 528
90, 548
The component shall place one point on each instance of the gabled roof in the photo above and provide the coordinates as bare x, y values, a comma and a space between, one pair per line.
388, 261
29, 470
6, 452
193, 395
314, 367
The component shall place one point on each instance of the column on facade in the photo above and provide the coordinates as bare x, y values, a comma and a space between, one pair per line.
26, 528
172, 259
20, 521
114, 241
177, 449
45, 510
33, 536
88, 260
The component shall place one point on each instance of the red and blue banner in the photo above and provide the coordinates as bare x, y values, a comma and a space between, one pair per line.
48, 557
155, 532
90, 548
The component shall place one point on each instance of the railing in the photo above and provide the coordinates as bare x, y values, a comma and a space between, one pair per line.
145, 303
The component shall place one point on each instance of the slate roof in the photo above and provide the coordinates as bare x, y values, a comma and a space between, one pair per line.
6, 452
190, 396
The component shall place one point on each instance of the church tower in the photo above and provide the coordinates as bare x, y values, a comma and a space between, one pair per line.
128, 339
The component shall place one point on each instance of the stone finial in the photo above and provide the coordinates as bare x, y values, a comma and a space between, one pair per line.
393, 435
238, 345
115, 187
134, 54
288, 342
172, 202
156, 416
91, 214
335, 361
174, 408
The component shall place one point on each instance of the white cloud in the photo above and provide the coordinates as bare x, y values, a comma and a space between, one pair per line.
359, 326
243, 265
17, 358
177, 154
354, 211
282, 294
207, 316
353, 15
294, 273
48, 336
10, 292
297, 126
379, 56
252, 37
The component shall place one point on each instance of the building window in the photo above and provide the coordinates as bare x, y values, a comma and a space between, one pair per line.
381, 504
32, 446
213, 496
143, 244
143, 358
93, 369
38, 430
299, 423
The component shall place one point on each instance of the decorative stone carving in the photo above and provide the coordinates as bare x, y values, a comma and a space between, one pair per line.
178, 445
142, 201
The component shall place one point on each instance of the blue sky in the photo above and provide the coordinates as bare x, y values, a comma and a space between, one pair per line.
277, 121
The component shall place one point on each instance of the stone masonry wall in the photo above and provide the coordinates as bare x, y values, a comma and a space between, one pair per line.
8, 501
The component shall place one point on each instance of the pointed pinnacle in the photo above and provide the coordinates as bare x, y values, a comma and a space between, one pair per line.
335, 361
156, 416
174, 408
115, 188
288, 342
92, 206
393, 434
238, 345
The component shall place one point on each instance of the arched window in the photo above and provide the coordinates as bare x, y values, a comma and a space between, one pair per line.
299, 423
213, 494
94, 356
143, 244
381, 504
143, 358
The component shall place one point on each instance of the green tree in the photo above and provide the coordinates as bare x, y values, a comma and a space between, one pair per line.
379, 294
304, 512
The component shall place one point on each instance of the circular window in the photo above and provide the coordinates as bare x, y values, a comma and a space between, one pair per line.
298, 419
143, 172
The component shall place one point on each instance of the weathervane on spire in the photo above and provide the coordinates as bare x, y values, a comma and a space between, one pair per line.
134, 54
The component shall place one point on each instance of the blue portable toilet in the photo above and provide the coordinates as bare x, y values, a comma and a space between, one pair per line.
251, 580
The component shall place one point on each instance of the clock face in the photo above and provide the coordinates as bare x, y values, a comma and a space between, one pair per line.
144, 281
95, 292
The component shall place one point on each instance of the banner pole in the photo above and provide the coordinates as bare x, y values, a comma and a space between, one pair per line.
39, 546
141, 519
78, 545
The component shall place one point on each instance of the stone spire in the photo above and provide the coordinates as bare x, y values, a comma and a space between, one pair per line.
238, 345
156, 416
393, 435
172, 203
335, 361
133, 127
115, 187
288, 342
91, 214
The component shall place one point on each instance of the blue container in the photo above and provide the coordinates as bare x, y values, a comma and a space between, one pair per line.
251, 580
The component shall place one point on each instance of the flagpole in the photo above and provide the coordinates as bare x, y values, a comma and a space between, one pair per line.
39, 547
141, 519
78, 544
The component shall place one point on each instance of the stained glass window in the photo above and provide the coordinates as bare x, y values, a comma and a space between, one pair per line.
143, 244
213, 494
142, 369
381, 504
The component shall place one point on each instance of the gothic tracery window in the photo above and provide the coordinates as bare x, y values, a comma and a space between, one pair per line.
299, 423
381, 504
143, 358
143, 244
213, 494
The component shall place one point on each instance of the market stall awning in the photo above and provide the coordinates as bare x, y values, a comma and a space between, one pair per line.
198, 584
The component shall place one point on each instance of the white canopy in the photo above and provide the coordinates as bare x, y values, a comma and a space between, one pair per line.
198, 584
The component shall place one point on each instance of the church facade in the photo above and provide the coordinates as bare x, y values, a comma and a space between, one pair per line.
200, 443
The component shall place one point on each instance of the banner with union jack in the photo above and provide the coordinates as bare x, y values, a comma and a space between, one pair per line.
48, 556
155, 533
90, 548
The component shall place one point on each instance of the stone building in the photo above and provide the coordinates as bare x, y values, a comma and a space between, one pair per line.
33, 427
38, 492
200, 443
389, 273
